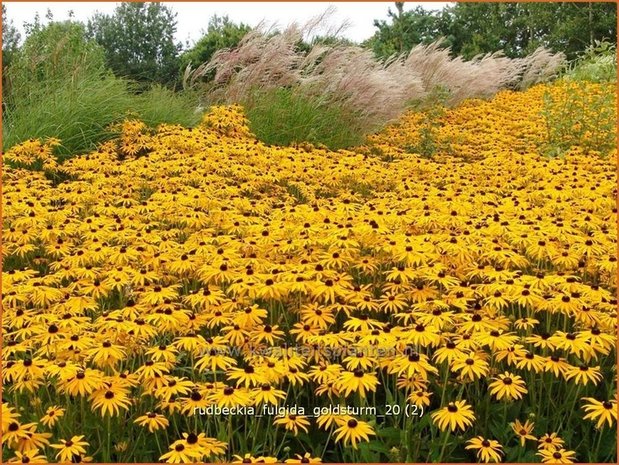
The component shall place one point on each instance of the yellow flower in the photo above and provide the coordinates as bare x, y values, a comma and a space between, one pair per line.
70, 447
583, 374
508, 386
154, 421
488, 450
471, 366
293, 423
110, 400
603, 411
357, 381
28, 456
456, 415
180, 453
557, 456
523, 431
353, 431
550, 442
306, 458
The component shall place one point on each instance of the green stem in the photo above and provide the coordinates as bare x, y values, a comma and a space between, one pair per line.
597, 447
131, 456
445, 378
108, 455
444, 445
158, 446
324, 451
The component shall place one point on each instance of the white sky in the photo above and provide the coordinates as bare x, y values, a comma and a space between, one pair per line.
193, 16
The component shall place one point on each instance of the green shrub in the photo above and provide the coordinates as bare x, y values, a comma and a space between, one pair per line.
433, 109
583, 115
597, 64
285, 116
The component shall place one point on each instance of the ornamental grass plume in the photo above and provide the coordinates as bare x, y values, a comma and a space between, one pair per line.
336, 74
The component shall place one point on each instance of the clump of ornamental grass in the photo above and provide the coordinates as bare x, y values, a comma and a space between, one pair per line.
334, 77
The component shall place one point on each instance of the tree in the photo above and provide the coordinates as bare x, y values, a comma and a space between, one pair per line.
406, 29
138, 39
52, 54
220, 33
10, 39
516, 28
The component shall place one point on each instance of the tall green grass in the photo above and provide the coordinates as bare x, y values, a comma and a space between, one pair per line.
286, 116
80, 113
58, 87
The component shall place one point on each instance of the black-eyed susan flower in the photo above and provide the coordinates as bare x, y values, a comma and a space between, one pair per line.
583, 374
28, 456
153, 420
420, 398
70, 447
357, 381
110, 400
523, 431
412, 363
229, 396
305, 458
293, 423
602, 411
508, 386
52, 415
488, 450
249, 458
471, 366
32, 440
353, 431
557, 456
180, 453
82, 383
267, 394
550, 442
456, 415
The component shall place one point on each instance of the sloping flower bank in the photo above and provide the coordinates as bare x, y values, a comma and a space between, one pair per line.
469, 298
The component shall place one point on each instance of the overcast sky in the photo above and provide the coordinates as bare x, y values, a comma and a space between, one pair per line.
193, 17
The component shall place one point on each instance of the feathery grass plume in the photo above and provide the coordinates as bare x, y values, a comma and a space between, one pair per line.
483, 76
334, 77
349, 79
540, 66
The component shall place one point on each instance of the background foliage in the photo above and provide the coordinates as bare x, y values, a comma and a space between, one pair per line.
138, 39
69, 79
515, 28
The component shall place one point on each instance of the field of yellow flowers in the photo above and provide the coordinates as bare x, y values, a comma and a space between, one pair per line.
188, 295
